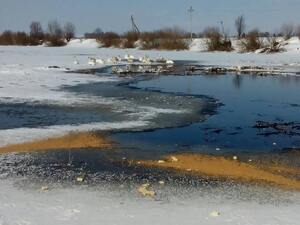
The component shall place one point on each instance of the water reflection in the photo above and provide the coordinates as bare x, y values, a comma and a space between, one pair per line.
237, 81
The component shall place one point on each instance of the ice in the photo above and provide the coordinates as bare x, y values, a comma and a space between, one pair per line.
21, 135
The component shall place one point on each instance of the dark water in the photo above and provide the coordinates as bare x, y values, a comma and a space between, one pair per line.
246, 98
39, 115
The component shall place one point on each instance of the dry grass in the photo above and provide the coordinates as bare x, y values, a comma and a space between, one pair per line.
165, 39
110, 39
216, 41
251, 42
220, 167
130, 38
72, 141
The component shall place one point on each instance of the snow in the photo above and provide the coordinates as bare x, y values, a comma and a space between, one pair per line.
83, 43
198, 44
78, 205
293, 45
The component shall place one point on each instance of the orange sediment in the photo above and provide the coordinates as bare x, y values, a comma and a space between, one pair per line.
221, 167
71, 141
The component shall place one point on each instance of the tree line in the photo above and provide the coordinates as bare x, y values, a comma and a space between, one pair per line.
168, 38
55, 35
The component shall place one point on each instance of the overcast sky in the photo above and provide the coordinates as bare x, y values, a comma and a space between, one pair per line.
114, 15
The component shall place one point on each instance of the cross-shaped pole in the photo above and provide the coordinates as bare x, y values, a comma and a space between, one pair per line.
191, 11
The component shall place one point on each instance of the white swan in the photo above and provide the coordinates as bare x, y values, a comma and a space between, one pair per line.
129, 58
114, 60
170, 62
161, 59
145, 60
92, 61
75, 62
99, 61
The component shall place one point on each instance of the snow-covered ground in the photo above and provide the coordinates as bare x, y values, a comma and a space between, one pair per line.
80, 205
25, 76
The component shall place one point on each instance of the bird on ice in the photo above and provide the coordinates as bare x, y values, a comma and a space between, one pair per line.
92, 61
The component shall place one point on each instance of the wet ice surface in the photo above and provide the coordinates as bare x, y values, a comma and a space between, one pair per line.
35, 115
107, 105
160, 109
109, 194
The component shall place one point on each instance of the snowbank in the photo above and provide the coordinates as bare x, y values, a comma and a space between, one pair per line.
291, 45
83, 43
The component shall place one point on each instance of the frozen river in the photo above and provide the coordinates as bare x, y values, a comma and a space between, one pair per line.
147, 117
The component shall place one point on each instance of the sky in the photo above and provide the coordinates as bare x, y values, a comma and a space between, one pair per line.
114, 15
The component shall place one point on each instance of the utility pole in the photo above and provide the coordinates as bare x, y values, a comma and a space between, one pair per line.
134, 26
191, 11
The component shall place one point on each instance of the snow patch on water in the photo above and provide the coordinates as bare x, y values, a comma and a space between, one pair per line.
21, 85
21, 135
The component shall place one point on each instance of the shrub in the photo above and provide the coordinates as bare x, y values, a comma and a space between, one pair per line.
150, 40
272, 45
216, 41
21, 38
12, 38
69, 31
251, 42
167, 39
36, 33
54, 36
173, 44
110, 39
6, 38
130, 38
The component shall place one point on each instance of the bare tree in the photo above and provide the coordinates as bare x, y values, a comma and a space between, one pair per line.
54, 29
55, 34
69, 31
36, 31
287, 30
240, 26
97, 34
